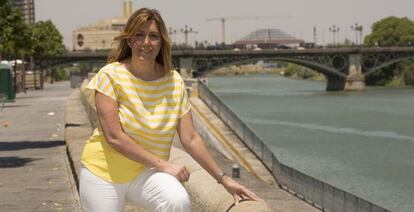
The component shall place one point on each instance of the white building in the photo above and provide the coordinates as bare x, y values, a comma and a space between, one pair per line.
100, 36
268, 38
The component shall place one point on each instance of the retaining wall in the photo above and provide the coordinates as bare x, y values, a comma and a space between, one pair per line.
318, 193
205, 193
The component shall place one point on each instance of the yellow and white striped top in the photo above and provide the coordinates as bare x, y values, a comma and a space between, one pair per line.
148, 113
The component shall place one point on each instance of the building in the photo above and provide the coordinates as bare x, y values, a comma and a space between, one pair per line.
268, 39
100, 36
27, 9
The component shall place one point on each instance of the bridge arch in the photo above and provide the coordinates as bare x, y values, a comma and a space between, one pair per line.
334, 67
374, 63
203, 67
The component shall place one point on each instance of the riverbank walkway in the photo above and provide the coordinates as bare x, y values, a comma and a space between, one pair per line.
34, 168
35, 172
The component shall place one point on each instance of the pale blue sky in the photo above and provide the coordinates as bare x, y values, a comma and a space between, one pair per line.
298, 16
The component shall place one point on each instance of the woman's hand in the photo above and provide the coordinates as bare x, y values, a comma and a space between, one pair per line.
178, 171
238, 191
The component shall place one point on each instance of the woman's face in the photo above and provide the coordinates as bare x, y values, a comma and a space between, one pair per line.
146, 43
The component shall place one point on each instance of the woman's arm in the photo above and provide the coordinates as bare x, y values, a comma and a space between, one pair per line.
194, 145
107, 109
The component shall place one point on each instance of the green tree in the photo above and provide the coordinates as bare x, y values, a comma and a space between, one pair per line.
299, 72
291, 69
48, 42
15, 36
391, 31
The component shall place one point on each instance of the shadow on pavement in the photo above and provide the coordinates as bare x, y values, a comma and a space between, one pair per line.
13, 162
11, 106
19, 145
72, 125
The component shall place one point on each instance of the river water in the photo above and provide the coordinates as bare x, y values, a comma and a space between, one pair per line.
361, 142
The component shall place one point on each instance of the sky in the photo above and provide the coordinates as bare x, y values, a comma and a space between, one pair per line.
296, 17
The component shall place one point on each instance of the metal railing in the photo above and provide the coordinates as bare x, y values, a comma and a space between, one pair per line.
314, 191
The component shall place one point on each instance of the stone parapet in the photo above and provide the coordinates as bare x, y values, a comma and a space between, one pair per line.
205, 193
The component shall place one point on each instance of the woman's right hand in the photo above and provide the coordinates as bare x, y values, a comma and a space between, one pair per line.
178, 171
238, 191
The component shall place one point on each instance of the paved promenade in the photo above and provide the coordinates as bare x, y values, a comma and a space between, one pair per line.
34, 171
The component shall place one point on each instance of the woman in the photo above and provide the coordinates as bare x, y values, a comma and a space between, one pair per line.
140, 103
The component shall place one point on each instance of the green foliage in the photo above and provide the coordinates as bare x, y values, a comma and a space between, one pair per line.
48, 42
347, 43
84, 68
300, 72
381, 77
407, 72
291, 69
392, 31
61, 74
15, 36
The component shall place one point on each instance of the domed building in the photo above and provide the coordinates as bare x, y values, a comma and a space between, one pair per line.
268, 39
100, 36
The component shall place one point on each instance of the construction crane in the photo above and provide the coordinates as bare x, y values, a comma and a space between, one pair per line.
223, 21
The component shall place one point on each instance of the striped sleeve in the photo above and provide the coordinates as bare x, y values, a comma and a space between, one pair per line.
103, 83
185, 104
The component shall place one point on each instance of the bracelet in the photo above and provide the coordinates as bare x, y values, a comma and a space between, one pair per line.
220, 178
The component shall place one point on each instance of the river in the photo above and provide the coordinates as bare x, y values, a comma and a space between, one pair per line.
361, 142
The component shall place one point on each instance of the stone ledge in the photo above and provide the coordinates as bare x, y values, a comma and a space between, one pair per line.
205, 193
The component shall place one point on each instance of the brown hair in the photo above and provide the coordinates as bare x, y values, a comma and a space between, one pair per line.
135, 22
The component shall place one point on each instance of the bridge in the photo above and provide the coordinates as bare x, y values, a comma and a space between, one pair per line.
344, 68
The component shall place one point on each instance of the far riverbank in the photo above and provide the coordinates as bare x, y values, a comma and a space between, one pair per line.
292, 71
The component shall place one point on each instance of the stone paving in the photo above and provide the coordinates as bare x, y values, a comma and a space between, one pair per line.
34, 169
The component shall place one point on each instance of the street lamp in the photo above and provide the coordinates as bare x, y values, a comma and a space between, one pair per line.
187, 30
360, 29
334, 29
172, 32
357, 28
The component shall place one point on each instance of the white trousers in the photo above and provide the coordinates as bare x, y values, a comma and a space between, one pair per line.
156, 191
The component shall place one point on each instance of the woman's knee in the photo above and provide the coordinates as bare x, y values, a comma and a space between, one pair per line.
169, 193
177, 201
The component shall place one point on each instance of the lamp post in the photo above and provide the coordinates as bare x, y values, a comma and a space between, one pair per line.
360, 29
334, 29
186, 31
356, 28
171, 33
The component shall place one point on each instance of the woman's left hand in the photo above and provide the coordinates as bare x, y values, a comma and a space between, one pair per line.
238, 191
